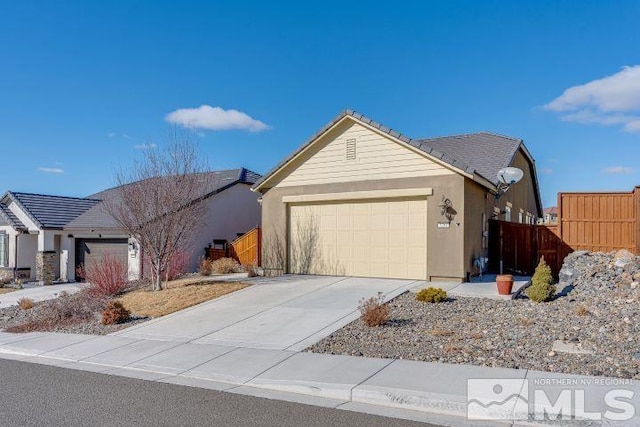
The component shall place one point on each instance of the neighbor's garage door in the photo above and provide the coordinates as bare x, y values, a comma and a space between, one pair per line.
91, 251
385, 238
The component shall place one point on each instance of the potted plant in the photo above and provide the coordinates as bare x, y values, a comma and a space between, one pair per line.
505, 284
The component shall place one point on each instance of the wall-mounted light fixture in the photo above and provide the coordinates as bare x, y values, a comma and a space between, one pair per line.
446, 209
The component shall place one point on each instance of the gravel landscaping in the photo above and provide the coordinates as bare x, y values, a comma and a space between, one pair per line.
596, 316
15, 316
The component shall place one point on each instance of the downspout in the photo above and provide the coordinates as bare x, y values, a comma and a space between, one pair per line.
15, 257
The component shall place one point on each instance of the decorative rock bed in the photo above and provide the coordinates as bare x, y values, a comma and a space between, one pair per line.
592, 327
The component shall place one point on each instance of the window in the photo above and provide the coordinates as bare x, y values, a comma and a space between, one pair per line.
520, 216
507, 213
4, 249
351, 149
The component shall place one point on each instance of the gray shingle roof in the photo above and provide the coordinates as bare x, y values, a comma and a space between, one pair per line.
7, 217
98, 218
464, 152
485, 153
51, 211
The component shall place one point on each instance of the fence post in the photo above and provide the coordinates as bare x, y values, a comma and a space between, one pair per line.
559, 220
636, 217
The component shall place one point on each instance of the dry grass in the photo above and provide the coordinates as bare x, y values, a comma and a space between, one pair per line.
178, 295
6, 290
581, 310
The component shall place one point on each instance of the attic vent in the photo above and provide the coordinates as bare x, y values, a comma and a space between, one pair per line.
351, 149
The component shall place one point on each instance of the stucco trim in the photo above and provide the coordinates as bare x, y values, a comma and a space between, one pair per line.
359, 195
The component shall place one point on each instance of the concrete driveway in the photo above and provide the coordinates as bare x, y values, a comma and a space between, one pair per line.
284, 313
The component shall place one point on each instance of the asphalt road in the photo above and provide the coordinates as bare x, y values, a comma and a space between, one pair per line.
38, 395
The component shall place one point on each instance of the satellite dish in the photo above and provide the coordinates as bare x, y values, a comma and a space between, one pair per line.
510, 176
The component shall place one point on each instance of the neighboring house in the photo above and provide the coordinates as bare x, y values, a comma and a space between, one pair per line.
550, 216
46, 237
360, 199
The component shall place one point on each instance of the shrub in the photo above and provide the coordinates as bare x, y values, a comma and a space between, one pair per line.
114, 312
206, 267
542, 288
226, 266
431, 295
373, 311
25, 303
106, 277
177, 265
250, 269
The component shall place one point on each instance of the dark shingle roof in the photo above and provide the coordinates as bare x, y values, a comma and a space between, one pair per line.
478, 153
98, 217
485, 153
7, 217
51, 211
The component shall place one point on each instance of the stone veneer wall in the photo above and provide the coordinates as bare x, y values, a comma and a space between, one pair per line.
45, 267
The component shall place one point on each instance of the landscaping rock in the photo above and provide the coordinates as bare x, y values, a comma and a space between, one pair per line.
592, 328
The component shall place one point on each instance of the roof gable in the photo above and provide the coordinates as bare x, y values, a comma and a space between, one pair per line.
48, 211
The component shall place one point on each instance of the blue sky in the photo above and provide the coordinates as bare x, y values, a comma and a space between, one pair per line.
85, 85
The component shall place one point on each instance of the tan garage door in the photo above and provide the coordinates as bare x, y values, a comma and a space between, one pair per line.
382, 238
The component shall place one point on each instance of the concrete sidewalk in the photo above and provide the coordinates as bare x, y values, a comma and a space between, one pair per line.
429, 392
37, 293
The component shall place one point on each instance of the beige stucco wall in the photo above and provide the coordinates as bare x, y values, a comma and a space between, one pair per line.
477, 200
444, 246
235, 210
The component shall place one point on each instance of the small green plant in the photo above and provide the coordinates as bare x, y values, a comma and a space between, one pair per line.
25, 303
431, 295
373, 311
114, 312
542, 287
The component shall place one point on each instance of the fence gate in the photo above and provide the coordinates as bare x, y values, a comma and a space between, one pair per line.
516, 248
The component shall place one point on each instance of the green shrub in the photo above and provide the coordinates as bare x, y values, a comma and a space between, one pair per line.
542, 288
114, 312
431, 295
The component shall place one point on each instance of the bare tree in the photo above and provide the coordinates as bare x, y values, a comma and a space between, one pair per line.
159, 201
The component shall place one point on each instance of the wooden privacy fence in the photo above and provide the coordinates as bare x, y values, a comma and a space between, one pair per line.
246, 249
517, 248
597, 222
600, 222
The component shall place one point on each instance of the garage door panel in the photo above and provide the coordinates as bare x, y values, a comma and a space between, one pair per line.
382, 238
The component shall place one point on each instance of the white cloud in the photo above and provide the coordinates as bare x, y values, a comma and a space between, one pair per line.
111, 134
610, 101
144, 146
214, 118
619, 170
546, 171
51, 170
